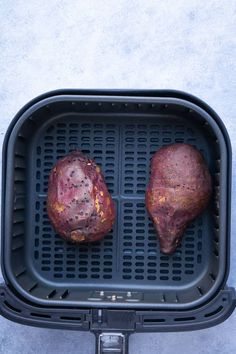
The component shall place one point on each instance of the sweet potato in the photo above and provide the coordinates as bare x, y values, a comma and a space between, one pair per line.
79, 205
179, 190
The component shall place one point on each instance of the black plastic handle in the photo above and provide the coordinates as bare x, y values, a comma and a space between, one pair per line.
111, 342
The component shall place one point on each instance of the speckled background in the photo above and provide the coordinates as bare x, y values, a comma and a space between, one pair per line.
179, 44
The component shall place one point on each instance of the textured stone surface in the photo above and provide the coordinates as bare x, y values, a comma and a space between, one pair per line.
185, 45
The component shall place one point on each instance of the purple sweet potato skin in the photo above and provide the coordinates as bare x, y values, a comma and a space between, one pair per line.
79, 205
179, 190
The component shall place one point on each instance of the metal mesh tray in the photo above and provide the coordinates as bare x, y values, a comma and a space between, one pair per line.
126, 268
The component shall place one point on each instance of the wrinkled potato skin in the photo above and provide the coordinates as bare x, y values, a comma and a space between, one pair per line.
179, 189
79, 205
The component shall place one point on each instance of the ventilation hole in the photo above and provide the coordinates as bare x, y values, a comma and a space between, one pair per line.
188, 272
126, 276
68, 318
58, 275
139, 270
189, 252
46, 262
182, 319
216, 253
152, 258
164, 271
152, 271
127, 257
177, 265
40, 315
33, 287
199, 246
83, 276
127, 264
70, 275
139, 277
107, 276
210, 314
12, 307
200, 290
199, 258
51, 294
46, 269
153, 320
189, 265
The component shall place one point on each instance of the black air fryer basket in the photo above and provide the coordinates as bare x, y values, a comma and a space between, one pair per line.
122, 284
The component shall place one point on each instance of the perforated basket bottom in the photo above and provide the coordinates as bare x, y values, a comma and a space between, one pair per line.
128, 257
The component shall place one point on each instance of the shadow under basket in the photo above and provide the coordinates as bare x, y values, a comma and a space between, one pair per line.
113, 284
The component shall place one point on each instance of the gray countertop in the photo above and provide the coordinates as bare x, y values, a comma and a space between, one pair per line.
182, 44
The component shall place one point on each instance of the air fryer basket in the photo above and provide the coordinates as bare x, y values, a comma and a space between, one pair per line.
121, 130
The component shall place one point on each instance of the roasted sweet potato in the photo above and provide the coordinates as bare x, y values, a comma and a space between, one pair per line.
179, 190
79, 205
